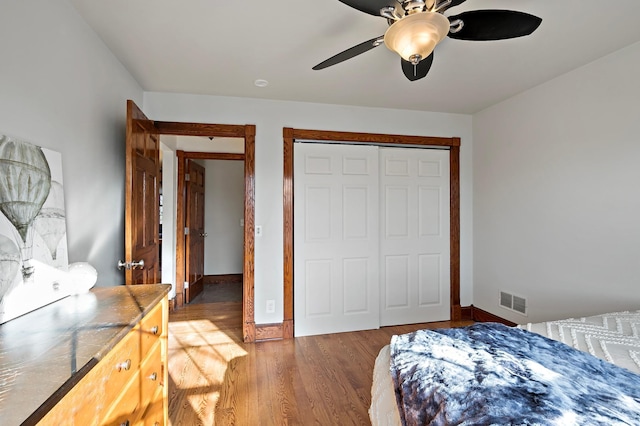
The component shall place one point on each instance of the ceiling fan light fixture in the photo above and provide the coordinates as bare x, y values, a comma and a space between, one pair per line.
415, 36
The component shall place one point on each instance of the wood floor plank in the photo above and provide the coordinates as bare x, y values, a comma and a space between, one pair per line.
216, 379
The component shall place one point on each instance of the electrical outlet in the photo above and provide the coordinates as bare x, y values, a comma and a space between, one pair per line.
271, 306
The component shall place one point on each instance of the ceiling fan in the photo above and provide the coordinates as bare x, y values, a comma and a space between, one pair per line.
417, 26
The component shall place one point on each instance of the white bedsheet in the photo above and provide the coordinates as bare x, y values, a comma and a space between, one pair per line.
613, 337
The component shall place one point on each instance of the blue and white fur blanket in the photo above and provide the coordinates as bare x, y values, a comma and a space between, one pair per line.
491, 374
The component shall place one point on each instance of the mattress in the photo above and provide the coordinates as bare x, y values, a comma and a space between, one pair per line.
612, 337
384, 409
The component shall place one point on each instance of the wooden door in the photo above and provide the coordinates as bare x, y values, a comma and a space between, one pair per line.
336, 238
142, 260
195, 235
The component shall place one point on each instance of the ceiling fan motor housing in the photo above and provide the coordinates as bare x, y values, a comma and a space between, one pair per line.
413, 6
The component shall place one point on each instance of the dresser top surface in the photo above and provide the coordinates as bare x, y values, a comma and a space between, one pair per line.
45, 352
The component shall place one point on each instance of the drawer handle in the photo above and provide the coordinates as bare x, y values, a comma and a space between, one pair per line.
124, 365
125, 423
153, 377
154, 329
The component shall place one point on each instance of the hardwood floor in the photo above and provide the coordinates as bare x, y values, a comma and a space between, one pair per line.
216, 379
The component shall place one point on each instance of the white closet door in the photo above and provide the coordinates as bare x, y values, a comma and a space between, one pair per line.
415, 238
336, 237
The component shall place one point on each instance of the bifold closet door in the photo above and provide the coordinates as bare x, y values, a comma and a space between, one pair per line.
415, 237
336, 239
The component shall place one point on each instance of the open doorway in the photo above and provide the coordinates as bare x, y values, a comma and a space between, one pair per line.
185, 142
224, 225
214, 224
209, 190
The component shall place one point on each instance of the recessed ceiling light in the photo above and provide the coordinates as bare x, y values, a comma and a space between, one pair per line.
261, 83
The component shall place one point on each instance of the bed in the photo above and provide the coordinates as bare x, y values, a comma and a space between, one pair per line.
573, 371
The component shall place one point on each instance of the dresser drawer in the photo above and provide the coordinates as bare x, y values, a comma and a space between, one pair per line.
89, 400
154, 416
106, 381
126, 410
151, 378
151, 328
121, 364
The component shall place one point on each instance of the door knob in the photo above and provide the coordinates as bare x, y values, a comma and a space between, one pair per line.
138, 265
130, 265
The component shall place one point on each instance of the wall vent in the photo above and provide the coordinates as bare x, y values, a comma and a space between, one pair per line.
513, 303
520, 304
506, 300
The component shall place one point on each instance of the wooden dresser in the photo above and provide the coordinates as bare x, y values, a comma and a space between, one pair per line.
106, 352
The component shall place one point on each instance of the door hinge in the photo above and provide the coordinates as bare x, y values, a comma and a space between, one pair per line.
186, 230
187, 178
186, 284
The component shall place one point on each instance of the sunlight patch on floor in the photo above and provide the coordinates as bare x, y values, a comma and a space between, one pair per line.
199, 356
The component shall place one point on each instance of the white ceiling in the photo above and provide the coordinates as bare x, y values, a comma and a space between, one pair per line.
221, 47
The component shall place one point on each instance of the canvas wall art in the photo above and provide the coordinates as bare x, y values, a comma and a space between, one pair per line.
33, 242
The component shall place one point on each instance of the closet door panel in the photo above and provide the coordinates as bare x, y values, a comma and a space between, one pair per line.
336, 283
414, 210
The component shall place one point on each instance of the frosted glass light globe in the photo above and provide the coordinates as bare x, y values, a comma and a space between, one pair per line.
415, 36
83, 276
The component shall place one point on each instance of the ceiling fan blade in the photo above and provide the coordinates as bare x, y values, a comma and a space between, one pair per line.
372, 7
487, 25
416, 72
350, 53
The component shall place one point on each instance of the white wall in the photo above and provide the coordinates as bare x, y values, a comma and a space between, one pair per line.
270, 117
557, 194
224, 208
169, 195
61, 88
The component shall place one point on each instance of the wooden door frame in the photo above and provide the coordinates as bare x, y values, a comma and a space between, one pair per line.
248, 133
290, 135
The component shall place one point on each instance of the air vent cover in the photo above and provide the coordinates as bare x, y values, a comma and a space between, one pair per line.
520, 304
506, 300
513, 303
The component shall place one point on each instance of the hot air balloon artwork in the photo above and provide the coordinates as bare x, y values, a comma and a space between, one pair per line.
50, 223
9, 264
32, 227
25, 181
